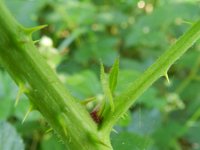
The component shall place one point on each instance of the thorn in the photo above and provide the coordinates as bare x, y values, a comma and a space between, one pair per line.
104, 144
115, 131
65, 131
187, 22
34, 42
97, 140
27, 113
124, 116
34, 29
88, 100
48, 130
62, 124
21, 90
167, 78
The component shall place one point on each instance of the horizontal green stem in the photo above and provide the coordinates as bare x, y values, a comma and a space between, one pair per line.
124, 101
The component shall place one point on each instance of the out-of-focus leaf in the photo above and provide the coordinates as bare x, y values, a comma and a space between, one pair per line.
187, 60
8, 89
9, 139
108, 17
8, 92
76, 13
29, 128
151, 99
145, 122
125, 78
83, 84
131, 64
146, 27
67, 41
25, 11
5, 108
166, 137
97, 47
193, 136
191, 91
130, 141
50, 142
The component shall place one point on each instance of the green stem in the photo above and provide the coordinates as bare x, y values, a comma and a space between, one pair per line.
155, 71
47, 94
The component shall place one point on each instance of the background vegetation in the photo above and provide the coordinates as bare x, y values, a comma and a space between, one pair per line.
80, 33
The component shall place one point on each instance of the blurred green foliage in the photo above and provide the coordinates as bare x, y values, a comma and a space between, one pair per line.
80, 33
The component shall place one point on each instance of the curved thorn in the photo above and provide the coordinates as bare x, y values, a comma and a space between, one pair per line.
21, 90
34, 29
167, 78
27, 113
187, 22
48, 130
104, 144
34, 42
62, 124
115, 131
88, 100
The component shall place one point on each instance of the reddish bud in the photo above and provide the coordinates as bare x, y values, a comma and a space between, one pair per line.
95, 116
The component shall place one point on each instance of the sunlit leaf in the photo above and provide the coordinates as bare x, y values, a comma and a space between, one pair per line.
9, 139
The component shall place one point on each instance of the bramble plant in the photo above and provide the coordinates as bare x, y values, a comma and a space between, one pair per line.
75, 125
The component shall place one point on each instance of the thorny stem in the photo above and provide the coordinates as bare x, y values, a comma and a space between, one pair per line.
48, 95
27, 67
155, 71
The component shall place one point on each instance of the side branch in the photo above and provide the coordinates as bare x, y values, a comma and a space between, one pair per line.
124, 101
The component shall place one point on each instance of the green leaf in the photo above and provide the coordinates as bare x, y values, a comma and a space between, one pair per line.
83, 84
25, 9
155, 71
143, 121
170, 133
114, 75
50, 142
106, 88
130, 141
5, 108
9, 139
192, 135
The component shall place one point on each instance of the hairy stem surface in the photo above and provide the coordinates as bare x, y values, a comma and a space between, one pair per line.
47, 94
